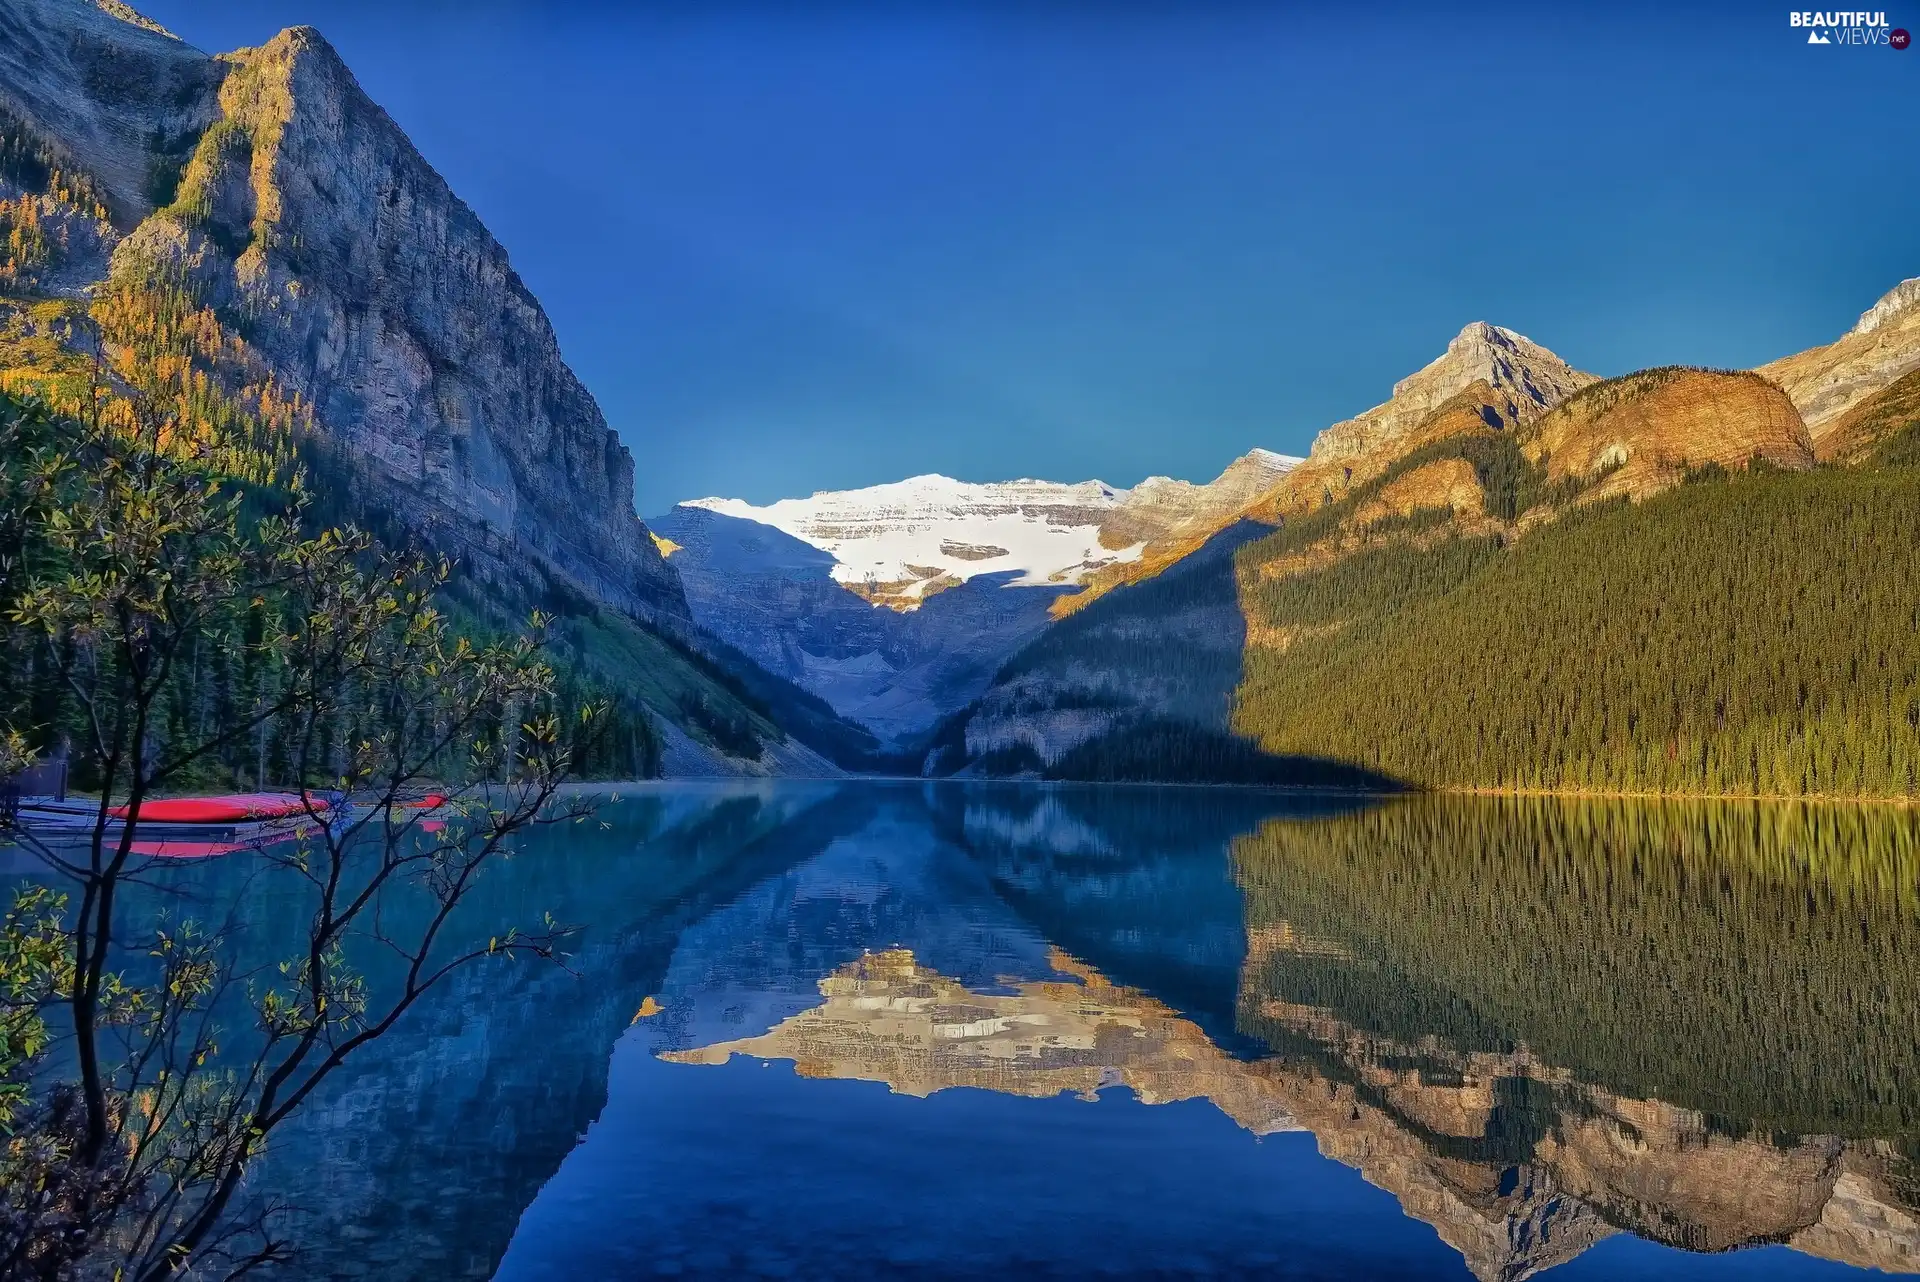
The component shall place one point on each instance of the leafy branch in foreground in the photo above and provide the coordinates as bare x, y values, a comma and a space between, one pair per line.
131, 561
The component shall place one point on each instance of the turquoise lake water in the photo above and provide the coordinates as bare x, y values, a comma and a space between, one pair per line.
971, 1031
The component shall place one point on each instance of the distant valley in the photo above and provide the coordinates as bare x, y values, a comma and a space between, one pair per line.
898, 603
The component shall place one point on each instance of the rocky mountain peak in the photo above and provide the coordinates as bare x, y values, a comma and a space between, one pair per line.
93, 86
128, 14
1268, 459
1826, 382
1477, 351
1529, 378
343, 274
1899, 299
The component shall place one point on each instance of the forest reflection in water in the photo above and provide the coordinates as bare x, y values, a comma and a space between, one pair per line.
1551, 1031
1535, 1023
1697, 1022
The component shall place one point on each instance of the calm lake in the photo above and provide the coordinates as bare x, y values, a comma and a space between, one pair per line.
954, 1031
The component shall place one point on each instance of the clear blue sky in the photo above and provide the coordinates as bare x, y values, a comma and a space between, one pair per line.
794, 247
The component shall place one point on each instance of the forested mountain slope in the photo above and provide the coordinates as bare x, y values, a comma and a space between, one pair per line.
1643, 588
1088, 677
1137, 686
1757, 634
1655, 596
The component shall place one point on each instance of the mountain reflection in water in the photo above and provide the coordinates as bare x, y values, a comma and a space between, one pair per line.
1168, 1032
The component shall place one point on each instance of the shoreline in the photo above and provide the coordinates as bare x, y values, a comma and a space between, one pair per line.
1564, 794
1588, 794
579, 786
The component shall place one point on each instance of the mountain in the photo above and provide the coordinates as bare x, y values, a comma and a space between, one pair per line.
1883, 428
1650, 592
1172, 519
897, 603
899, 544
1746, 634
1828, 381
1510, 593
1086, 677
1641, 434
1153, 651
1138, 686
267, 193
1487, 376
1524, 381
895, 671
250, 240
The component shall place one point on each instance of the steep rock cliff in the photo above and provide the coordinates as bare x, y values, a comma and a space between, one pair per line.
249, 243
266, 191
1642, 433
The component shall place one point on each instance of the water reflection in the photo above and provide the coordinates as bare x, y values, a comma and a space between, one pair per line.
419, 1158
886, 1018
1696, 1023
1535, 1024
1169, 1031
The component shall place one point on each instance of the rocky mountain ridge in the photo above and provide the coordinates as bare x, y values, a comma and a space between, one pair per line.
1524, 381
266, 195
1492, 378
1826, 382
1488, 376
249, 243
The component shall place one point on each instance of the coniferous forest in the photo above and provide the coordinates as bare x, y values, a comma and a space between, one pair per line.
1753, 634
228, 672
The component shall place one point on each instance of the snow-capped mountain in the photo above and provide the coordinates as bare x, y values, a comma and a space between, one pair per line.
898, 544
969, 572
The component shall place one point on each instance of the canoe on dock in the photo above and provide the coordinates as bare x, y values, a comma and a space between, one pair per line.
192, 827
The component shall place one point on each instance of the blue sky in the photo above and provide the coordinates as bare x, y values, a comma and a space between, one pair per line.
797, 247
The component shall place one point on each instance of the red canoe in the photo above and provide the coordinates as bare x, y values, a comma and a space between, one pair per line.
239, 807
